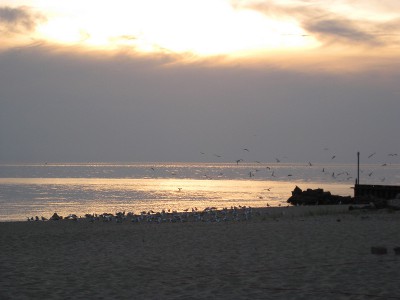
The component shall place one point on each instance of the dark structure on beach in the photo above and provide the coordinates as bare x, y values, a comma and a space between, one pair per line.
365, 191
317, 197
372, 194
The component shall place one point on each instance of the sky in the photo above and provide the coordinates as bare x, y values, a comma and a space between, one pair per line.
199, 81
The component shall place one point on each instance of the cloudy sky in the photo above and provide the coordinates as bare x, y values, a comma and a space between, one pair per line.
188, 80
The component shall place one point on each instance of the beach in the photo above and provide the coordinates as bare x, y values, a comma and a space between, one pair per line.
318, 252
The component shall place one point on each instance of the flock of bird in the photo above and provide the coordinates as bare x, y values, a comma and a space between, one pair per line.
272, 172
209, 215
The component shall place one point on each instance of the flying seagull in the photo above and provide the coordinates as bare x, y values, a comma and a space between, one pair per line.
371, 155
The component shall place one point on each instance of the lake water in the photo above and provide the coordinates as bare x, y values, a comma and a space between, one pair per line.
42, 189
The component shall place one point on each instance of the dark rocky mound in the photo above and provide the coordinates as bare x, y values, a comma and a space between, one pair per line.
317, 197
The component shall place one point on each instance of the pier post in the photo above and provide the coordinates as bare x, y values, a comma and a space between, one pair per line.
358, 167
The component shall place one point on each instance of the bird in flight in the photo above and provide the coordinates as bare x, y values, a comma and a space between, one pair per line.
245, 149
371, 155
333, 157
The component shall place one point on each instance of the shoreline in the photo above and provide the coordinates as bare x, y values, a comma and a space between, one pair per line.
244, 213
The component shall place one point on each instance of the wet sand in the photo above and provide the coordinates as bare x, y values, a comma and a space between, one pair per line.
281, 253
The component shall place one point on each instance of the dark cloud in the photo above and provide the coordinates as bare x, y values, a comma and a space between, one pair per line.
340, 30
67, 106
18, 20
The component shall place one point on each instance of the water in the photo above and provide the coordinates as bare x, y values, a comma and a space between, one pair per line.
42, 189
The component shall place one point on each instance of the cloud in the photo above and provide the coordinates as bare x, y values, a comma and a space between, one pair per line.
18, 20
340, 30
332, 27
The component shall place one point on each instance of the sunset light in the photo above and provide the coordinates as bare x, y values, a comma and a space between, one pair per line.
290, 31
199, 27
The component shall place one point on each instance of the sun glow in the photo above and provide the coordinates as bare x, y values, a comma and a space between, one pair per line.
208, 27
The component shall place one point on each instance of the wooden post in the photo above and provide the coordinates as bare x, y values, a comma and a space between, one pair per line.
358, 167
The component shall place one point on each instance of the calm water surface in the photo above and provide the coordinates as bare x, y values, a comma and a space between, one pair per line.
42, 189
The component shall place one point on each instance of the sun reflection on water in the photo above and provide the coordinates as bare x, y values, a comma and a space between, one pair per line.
44, 196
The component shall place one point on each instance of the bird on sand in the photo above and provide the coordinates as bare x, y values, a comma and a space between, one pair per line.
238, 161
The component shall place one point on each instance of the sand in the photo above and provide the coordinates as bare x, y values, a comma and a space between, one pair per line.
281, 253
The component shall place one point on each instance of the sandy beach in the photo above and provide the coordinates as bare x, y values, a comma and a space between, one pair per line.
281, 253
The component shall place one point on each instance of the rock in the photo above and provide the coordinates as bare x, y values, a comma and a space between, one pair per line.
316, 197
379, 250
296, 191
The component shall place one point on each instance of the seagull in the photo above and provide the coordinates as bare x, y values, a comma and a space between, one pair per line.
371, 155
277, 160
179, 189
333, 157
310, 164
392, 154
245, 149
370, 174
238, 161
217, 155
